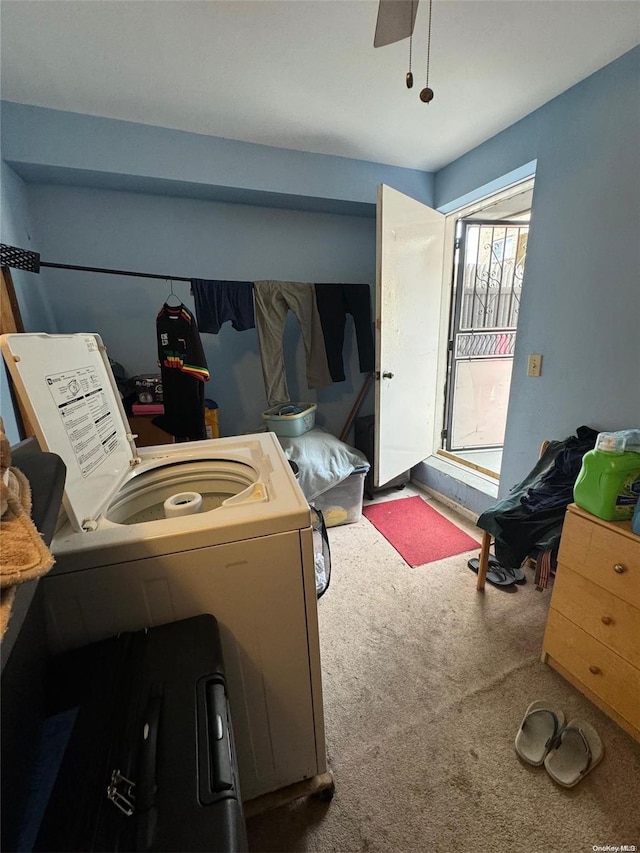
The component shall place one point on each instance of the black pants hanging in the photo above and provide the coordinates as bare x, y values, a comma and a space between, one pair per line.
334, 302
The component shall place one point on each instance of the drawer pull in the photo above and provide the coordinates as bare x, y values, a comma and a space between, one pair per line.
619, 569
595, 670
606, 620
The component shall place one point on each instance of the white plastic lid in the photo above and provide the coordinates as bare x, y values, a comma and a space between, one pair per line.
67, 388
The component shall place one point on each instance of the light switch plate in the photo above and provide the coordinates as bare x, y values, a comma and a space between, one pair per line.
534, 366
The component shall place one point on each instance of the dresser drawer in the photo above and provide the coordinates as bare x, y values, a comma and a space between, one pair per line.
605, 616
602, 671
603, 555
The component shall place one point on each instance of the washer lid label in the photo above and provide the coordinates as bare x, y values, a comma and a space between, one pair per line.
68, 389
84, 410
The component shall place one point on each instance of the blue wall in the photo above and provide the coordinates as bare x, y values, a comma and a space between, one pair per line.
197, 239
43, 144
16, 229
117, 194
581, 296
581, 302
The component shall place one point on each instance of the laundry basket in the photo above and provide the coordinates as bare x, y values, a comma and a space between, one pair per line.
291, 419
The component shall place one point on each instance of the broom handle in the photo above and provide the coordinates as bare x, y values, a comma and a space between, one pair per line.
356, 406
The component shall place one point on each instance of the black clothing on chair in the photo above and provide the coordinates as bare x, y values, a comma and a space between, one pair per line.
529, 519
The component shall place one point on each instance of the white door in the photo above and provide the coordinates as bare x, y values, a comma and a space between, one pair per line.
409, 249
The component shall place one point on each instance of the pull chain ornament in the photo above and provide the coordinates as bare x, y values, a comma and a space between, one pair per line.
426, 95
409, 77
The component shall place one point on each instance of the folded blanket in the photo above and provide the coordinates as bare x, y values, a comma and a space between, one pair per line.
23, 556
323, 460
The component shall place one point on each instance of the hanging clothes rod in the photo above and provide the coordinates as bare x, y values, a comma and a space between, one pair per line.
114, 272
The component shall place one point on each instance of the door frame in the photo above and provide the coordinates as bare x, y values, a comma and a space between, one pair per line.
448, 274
456, 329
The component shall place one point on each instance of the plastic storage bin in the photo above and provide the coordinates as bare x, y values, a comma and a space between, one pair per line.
342, 504
291, 424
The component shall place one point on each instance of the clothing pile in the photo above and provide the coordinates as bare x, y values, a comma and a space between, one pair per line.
528, 521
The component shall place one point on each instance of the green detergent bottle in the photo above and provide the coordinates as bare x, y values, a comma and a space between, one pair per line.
608, 484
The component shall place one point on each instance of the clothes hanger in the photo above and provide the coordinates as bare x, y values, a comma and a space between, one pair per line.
172, 294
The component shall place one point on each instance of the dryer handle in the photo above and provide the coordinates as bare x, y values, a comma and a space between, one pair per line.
215, 763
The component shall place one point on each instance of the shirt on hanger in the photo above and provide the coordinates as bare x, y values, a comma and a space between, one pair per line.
184, 371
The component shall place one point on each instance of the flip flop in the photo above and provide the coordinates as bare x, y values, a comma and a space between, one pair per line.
575, 752
517, 574
538, 732
497, 576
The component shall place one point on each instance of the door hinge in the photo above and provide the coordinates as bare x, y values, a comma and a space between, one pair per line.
443, 434
450, 345
457, 243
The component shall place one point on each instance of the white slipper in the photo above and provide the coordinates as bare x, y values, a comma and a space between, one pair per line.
576, 751
540, 726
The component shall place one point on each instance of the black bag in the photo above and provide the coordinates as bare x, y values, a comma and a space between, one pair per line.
322, 552
150, 763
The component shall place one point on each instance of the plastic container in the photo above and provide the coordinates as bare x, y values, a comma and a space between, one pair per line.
608, 484
297, 422
148, 388
342, 504
211, 425
619, 442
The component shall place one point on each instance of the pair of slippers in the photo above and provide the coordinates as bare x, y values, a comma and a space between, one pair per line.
568, 750
498, 575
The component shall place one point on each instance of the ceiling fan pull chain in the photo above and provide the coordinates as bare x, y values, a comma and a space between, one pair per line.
426, 94
409, 77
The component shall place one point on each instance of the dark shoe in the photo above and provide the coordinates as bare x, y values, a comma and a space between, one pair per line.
495, 575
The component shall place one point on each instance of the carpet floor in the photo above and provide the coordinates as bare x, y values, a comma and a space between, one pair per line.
425, 683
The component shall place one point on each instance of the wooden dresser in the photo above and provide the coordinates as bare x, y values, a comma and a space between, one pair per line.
592, 636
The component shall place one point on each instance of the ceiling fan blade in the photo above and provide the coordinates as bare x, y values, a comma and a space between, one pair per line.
396, 20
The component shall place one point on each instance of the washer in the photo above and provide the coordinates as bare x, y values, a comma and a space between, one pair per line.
162, 533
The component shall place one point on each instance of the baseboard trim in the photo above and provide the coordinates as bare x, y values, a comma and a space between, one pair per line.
443, 499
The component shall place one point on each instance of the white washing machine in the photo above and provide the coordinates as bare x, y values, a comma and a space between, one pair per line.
164, 533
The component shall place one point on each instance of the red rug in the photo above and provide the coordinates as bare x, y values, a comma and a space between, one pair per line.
418, 533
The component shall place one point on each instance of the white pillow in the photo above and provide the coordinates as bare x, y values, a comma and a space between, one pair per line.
323, 460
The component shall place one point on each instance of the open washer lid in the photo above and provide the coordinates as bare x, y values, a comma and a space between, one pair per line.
67, 388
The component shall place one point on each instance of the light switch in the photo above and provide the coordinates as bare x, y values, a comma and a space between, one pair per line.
534, 367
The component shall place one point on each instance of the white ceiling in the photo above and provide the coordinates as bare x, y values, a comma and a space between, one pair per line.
303, 74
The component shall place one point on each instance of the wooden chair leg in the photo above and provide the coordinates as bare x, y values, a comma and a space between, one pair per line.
484, 560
